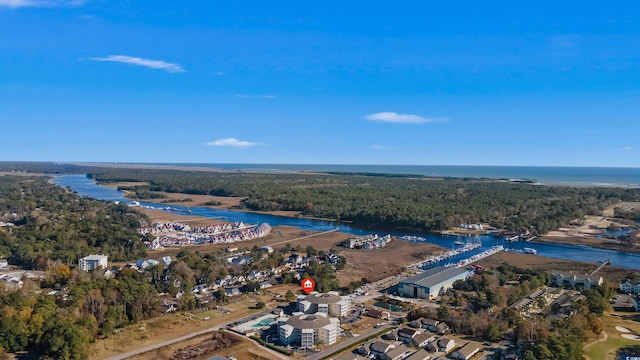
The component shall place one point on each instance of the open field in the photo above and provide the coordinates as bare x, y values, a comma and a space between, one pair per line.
243, 349
612, 323
611, 275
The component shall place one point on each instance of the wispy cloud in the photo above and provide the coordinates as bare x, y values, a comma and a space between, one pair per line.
39, 3
232, 142
242, 96
152, 64
381, 147
219, 73
393, 117
628, 148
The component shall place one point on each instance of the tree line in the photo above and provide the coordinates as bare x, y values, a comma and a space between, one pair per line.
388, 201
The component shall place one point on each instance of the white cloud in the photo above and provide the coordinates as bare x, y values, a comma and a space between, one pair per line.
232, 142
242, 96
153, 64
628, 148
393, 117
381, 147
39, 3
219, 73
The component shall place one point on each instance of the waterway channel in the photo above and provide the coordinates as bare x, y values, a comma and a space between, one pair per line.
87, 187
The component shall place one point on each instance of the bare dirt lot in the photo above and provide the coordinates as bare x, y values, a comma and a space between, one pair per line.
203, 347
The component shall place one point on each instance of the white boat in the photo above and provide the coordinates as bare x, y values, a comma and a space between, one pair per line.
529, 251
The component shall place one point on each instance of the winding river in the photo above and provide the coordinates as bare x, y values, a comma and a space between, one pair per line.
87, 187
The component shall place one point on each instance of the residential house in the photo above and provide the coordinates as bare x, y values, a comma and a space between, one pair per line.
467, 351
166, 260
377, 314
444, 344
391, 335
421, 354
397, 353
442, 328
429, 324
379, 348
421, 340
407, 334
142, 264
4, 263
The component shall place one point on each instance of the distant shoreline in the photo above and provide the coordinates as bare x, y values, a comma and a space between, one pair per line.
535, 175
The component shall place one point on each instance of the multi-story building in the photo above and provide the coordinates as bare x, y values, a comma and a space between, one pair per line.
329, 304
630, 287
569, 279
307, 330
92, 262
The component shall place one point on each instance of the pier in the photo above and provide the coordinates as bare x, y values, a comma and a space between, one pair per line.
447, 255
606, 262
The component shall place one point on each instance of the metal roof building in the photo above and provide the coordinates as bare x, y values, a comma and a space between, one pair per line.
431, 283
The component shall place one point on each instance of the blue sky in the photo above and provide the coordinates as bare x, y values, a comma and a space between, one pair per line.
324, 82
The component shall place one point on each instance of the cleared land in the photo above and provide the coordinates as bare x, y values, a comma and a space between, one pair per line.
611, 275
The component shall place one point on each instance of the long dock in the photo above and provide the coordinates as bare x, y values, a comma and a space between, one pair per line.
606, 262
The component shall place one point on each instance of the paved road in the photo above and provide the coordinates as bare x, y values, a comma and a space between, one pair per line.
346, 344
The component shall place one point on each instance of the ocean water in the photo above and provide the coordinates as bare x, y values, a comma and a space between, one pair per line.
577, 176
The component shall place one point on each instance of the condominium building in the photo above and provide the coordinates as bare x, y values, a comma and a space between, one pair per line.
92, 262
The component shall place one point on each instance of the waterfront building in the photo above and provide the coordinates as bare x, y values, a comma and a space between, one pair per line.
568, 279
431, 283
329, 304
630, 287
307, 330
92, 262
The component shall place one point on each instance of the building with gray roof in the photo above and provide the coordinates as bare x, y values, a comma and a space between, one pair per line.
308, 330
431, 283
330, 304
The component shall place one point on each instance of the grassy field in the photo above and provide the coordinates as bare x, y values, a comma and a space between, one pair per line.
607, 350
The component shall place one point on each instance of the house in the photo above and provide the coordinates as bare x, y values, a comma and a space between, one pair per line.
391, 335
232, 291
166, 260
266, 248
153, 262
444, 344
442, 328
295, 259
377, 314
142, 264
379, 348
397, 353
421, 340
429, 324
231, 249
421, 354
3, 263
363, 350
407, 334
467, 351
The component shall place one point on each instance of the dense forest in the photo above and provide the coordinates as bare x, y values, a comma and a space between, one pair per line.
55, 223
416, 202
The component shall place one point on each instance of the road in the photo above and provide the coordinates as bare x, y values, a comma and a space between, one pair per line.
346, 344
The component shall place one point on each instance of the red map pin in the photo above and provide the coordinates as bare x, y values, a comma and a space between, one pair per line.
308, 284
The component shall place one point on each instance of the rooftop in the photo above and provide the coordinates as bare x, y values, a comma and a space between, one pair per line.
434, 276
308, 321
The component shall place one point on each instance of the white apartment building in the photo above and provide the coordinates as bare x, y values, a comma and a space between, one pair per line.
92, 262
